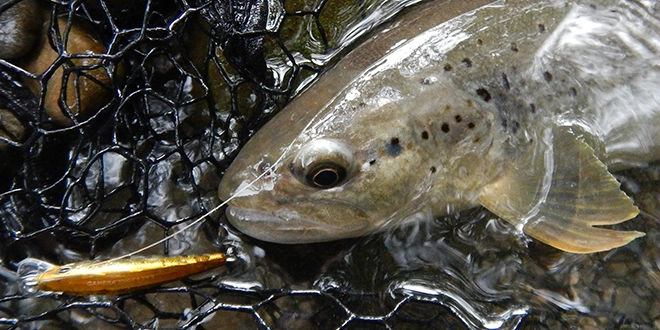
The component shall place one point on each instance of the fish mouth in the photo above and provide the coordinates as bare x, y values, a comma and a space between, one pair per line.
288, 227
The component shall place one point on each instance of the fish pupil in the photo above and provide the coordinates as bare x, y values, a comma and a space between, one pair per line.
326, 176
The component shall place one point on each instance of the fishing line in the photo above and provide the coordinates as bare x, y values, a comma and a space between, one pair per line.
268, 170
196, 221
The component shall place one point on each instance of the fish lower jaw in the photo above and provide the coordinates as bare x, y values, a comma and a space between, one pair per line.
287, 227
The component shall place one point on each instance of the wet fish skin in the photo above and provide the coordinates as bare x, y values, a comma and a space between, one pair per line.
474, 111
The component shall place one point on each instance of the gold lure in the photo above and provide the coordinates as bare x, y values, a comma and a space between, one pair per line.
121, 275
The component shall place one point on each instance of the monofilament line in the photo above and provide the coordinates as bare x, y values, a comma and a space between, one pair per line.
201, 217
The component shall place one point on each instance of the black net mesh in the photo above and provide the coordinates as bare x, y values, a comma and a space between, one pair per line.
118, 120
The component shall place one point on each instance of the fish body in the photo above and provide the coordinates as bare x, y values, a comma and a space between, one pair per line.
124, 275
519, 106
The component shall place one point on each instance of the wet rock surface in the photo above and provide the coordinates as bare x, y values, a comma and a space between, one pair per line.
20, 28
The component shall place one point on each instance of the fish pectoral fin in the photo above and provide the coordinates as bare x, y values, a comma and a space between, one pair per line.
558, 191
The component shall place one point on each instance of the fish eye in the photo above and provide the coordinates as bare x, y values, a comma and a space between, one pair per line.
323, 163
326, 176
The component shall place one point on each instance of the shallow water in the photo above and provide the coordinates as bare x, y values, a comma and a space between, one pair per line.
466, 270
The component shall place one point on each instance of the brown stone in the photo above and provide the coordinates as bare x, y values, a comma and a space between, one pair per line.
10, 128
81, 83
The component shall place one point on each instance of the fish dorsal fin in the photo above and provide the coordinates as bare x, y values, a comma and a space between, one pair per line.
558, 191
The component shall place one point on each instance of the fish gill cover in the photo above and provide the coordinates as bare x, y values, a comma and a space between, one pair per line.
118, 120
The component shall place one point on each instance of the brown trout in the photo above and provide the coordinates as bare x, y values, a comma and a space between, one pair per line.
520, 106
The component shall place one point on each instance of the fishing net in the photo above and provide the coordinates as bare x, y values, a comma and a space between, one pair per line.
117, 134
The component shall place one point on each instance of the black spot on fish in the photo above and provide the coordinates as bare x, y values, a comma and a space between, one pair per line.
541, 28
484, 94
458, 118
444, 128
394, 147
372, 161
433, 169
515, 127
480, 42
532, 108
547, 76
425, 135
471, 125
504, 123
514, 47
572, 91
447, 67
467, 62
469, 103
505, 82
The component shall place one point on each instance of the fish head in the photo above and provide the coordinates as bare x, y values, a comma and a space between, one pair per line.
326, 188
352, 168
